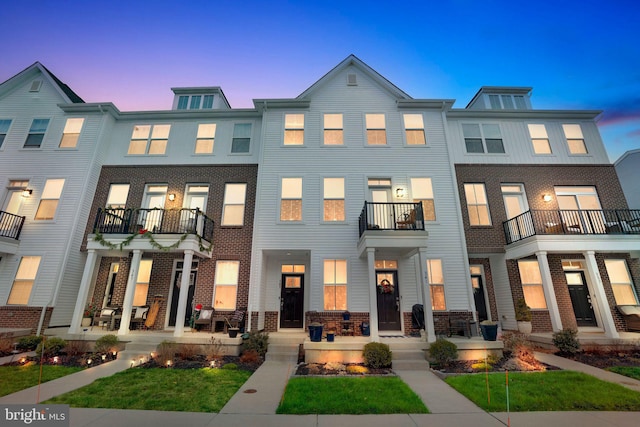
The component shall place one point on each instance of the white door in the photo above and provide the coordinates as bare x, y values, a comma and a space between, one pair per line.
515, 204
581, 211
12, 204
195, 198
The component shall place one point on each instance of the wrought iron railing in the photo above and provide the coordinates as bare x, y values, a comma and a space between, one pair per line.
590, 221
157, 221
10, 225
391, 216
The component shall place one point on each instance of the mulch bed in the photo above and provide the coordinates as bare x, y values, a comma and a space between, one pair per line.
340, 369
76, 360
608, 359
200, 361
511, 364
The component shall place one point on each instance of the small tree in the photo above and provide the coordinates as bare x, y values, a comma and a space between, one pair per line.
377, 355
443, 352
523, 312
566, 341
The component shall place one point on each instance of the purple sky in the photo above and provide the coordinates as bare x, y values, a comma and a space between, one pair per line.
575, 54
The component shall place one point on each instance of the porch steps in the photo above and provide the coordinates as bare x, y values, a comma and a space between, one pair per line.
284, 347
407, 354
137, 350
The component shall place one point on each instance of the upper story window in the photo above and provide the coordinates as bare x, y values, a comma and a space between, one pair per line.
507, 102
50, 198
234, 200
195, 102
334, 199
36, 133
539, 139
414, 129
477, 204
149, 139
333, 131
293, 129
376, 130
575, 139
4, 129
117, 198
205, 138
422, 192
241, 141
71, 133
291, 199
484, 138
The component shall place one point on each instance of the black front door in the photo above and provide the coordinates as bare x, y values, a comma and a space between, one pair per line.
388, 301
580, 298
292, 301
177, 282
478, 297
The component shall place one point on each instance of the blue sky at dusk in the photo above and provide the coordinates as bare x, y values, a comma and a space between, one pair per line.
575, 54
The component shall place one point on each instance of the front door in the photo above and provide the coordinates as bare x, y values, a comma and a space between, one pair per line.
175, 296
292, 301
580, 298
478, 297
388, 301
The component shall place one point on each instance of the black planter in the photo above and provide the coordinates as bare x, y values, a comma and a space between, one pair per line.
346, 316
233, 332
365, 329
489, 332
315, 333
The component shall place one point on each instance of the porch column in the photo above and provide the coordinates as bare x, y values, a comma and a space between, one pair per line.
549, 292
373, 300
423, 282
600, 298
83, 292
184, 293
130, 292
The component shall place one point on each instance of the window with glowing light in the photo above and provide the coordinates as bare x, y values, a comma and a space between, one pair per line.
49, 200
436, 284
376, 129
333, 131
414, 129
149, 139
335, 284
334, 199
291, 199
24, 280
226, 285
71, 133
531, 280
293, 129
205, 138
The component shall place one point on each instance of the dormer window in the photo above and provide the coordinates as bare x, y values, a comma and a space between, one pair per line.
507, 102
195, 102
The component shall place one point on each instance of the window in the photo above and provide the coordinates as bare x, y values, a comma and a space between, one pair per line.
333, 131
183, 101
293, 129
414, 129
376, 133
507, 102
4, 129
205, 138
14, 199
335, 284
241, 138
334, 199
36, 133
293, 268
149, 139
195, 102
477, 205
531, 280
226, 285
23, 283
142, 282
482, 138
207, 102
291, 199
117, 198
49, 200
233, 209
539, 139
436, 284
621, 283
71, 133
422, 191
575, 140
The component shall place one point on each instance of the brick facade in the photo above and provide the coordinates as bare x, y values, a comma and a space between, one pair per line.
488, 284
22, 317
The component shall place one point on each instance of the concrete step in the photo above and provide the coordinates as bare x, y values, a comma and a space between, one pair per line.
410, 365
141, 347
408, 355
282, 352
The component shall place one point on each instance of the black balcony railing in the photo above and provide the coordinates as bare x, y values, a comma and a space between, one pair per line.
157, 221
572, 222
391, 216
10, 225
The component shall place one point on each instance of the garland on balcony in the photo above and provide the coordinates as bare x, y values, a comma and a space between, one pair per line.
147, 234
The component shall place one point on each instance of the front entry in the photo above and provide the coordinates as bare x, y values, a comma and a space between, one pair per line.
175, 296
388, 301
292, 301
580, 298
478, 297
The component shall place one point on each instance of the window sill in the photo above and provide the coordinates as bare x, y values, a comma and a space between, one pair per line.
240, 154
334, 222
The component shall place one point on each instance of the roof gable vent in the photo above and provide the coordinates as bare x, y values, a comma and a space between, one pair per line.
352, 80
35, 86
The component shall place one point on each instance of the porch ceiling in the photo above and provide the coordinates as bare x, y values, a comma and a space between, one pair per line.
201, 249
395, 242
8, 246
573, 244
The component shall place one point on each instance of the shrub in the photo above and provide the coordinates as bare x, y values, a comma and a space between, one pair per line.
107, 343
213, 350
76, 348
230, 366
357, 369
166, 352
517, 344
567, 341
258, 341
443, 352
377, 355
29, 343
187, 351
6, 344
249, 356
52, 347
523, 312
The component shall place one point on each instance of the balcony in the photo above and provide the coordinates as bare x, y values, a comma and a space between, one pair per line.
572, 222
10, 229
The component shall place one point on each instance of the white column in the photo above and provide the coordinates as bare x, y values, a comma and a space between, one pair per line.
549, 292
373, 298
83, 292
423, 282
600, 297
184, 293
130, 292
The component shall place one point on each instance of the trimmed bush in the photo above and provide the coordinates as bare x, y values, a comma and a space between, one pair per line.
258, 341
443, 352
52, 347
377, 355
230, 366
566, 341
107, 343
29, 343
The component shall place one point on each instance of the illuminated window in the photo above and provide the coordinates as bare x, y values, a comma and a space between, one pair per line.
234, 200
335, 284
575, 139
23, 283
291, 199
414, 129
36, 133
117, 198
149, 139
621, 283
482, 139
477, 204
539, 139
531, 280
293, 129
49, 200
142, 282
226, 285
293, 268
4, 129
422, 191
334, 199
241, 141
71, 133
333, 131
376, 130
205, 138
436, 284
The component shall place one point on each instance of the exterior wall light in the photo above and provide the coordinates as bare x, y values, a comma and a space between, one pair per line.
172, 197
26, 192
401, 193
547, 198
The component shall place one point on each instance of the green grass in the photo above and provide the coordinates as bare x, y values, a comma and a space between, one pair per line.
362, 395
627, 371
192, 390
546, 391
16, 378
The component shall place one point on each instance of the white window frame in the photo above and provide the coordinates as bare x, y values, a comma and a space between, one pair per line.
616, 286
237, 138
231, 200
373, 128
143, 279
154, 137
24, 280
294, 129
528, 287
291, 199
331, 281
539, 139
37, 134
191, 103
422, 191
333, 129
114, 198
482, 129
473, 203
50, 193
333, 194
435, 271
574, 137
411, 128
71, 133
4, 132
205, 138
226, 279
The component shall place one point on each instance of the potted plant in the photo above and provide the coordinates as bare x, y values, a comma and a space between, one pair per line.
331, 334
315, 331
232, 330
489, 330
523, 316
87, 315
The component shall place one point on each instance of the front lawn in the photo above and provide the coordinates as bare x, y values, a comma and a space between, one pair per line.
627, 371
192, 390
546, 391
360, 395
16, 378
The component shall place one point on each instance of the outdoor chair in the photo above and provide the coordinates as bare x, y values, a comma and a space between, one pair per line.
409, 220
208, 316
235, 320
631, 315
139, 317
106, 315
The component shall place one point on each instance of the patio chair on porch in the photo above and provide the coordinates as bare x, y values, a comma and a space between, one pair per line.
208, 316
236, 320
459, 324
106, 316
631, 314
139, 317
409, 220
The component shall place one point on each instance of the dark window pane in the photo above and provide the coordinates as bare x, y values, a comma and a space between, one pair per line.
474, 145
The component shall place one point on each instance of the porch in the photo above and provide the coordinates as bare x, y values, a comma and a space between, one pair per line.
10, 229
590, 339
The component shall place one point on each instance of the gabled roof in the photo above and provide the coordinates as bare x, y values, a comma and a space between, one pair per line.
65, 91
